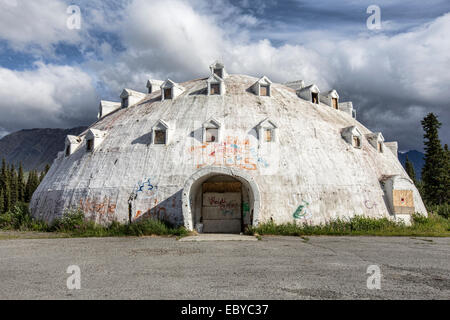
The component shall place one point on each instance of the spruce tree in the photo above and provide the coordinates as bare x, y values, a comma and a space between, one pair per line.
14, 183
434, 171
2, 201
409, 167
21, 184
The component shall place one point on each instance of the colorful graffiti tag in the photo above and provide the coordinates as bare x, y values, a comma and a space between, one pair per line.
232, 152
302, 211
100, 209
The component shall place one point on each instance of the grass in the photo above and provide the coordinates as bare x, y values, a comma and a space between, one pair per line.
433, 226
74, 224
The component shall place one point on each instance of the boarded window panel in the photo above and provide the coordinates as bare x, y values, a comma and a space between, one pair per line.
264, 91
160, 137
335, 103
212, 135
380, 147
268, 135
215, 89
90, 145
167, 93
403, 201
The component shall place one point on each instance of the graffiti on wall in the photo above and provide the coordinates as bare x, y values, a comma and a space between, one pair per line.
302, 210
232, 152
227, 207
104, 209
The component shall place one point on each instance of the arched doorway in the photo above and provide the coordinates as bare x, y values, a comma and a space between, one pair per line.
220, 200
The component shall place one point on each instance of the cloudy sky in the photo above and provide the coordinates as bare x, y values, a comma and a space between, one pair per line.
53, 76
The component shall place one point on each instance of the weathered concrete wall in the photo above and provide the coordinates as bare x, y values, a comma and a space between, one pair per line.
309, 174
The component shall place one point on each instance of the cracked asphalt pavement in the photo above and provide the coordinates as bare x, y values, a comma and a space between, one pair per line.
273, 268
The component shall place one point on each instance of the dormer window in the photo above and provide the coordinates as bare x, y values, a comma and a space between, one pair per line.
330, 98
262, 87
211, 131
160, 133
309, 93
267, 131
72, 143
353, 136
94, 138
153, 85
218, 69
216, 85
376, 139
170, 90
130, 97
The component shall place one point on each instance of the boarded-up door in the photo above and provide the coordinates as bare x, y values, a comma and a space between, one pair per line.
222, 211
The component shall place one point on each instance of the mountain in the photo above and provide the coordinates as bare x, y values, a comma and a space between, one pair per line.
36, 147
417, 159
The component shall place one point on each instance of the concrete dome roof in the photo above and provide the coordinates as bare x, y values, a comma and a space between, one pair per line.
305, 168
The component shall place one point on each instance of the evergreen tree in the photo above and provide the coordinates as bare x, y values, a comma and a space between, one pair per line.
21, 184
409, 167
434, 173
2, 201
7, 198
14, 183
3, 174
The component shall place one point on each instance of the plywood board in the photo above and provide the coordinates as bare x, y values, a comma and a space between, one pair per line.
403, 201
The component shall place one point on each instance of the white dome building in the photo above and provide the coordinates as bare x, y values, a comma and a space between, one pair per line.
221, 153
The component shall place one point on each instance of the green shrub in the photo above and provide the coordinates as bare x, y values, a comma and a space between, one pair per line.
359, 225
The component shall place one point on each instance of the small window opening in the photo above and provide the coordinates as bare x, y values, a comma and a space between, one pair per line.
212, 135
315, 97
218, 72
167, 93
264, 91
215, 89
380, 147
356, 142
68, 151
124, 102
334, 103
268, 135
160, 137
90, 145
150, 89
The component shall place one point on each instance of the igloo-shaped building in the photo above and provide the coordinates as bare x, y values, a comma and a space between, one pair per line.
224, 152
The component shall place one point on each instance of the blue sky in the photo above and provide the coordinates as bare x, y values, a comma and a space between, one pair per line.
52, 76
